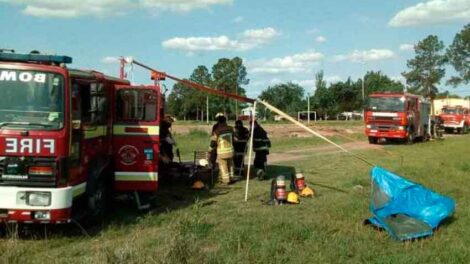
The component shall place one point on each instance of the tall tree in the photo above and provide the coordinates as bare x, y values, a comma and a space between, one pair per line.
323, 100
179, 103
202, 76
229, 75
288, 97
347, 95
379, 82
459, 57
427, 67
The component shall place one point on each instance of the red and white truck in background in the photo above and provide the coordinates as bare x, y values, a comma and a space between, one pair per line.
455, 119
69, 137
396, 116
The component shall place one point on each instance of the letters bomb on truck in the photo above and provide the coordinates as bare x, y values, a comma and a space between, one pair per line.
67, 137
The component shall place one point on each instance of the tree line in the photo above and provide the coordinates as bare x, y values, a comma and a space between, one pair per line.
424, 72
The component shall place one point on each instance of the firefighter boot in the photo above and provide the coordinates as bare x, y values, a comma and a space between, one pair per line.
260, 174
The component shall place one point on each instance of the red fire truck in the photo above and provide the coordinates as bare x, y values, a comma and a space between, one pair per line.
68, 136
455, 119
400, 116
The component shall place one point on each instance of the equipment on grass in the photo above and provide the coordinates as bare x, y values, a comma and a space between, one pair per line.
293, 198
198, 185
307, 192
280, 189
406, 210
299, 182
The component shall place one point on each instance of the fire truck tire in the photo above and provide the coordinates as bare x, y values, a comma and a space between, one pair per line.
409, 138
96, 198
463, 130
373, 140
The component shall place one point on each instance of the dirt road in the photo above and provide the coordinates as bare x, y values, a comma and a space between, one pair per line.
297, 154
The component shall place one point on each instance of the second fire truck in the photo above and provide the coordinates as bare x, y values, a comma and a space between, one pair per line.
397, 116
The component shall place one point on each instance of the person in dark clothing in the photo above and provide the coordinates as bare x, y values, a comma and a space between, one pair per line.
213, 152
241, 136
167, 141
261, 145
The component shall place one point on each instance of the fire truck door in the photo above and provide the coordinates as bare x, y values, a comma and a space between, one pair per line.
136, 138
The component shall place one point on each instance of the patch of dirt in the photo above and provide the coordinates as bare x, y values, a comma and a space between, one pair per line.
298, 154
280, 130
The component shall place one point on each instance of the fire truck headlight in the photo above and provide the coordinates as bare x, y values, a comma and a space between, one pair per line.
401, 128
369, 126
38, 198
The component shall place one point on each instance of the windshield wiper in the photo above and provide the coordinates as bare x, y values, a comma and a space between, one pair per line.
2, 124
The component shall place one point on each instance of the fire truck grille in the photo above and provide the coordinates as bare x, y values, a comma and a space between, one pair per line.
383, 118
21, 177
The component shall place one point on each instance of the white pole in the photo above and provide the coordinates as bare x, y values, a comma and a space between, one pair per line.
207, 109
250, 150
308, 110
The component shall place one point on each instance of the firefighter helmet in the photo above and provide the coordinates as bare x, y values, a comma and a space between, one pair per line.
307, 192
198, 185
293, 198
219, 115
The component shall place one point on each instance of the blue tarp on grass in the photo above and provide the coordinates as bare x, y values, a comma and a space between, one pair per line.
405, 209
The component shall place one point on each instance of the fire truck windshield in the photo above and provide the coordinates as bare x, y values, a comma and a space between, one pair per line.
392, 104
31, 100
452, 111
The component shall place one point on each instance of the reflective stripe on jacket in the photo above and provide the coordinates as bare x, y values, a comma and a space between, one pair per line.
222, 141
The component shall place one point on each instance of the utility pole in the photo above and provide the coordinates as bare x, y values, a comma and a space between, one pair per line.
207, 108
363, 96
236, 103
308, 108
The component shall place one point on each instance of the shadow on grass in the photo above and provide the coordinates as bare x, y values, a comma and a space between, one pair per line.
173, 194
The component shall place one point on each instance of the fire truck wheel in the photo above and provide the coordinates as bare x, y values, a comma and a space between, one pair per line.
96, 198
463, 130
409, 139
373, 140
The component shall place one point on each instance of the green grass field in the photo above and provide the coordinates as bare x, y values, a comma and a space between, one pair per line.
217, 226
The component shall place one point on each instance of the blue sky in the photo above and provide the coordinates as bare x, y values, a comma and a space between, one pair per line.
279, 40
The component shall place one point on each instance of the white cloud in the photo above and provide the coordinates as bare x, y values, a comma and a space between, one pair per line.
398, 78
110, 60
307, 84
313, 31
320, 39
301, 62
248, 40
407, 47
333, 79
362, 56
181, 5
238, 19
101, 8
432, 12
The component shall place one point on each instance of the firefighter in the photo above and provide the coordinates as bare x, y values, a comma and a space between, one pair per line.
241, 136
261, 145
167, 141
222, 143
213, 152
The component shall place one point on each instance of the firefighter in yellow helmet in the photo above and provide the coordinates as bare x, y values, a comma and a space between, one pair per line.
222, 142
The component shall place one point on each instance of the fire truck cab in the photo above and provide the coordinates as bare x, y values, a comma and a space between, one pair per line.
455, 119
69, 138
400, 116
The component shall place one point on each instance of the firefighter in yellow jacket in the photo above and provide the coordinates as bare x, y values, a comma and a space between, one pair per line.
222, 141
